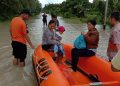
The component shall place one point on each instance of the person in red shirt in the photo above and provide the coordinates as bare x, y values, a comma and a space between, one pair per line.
19, 37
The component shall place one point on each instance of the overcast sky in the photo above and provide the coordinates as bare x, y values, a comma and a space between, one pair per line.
52, 1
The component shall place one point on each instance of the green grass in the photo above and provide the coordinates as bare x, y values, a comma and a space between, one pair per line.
76, 20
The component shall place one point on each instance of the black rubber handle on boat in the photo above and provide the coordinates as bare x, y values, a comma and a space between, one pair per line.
90, 76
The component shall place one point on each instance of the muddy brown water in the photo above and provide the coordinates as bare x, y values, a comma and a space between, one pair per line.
15, 76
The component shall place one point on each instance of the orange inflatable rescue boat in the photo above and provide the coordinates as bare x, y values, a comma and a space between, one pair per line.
92, 71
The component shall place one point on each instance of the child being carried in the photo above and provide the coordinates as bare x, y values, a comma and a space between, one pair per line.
58, 47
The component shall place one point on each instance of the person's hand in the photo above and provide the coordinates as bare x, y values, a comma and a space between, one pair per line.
83, 33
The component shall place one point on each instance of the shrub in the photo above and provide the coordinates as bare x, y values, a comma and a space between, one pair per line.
67, 15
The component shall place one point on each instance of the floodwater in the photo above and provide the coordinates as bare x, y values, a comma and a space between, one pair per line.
11, 75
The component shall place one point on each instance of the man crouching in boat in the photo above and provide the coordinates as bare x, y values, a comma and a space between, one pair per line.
91, 40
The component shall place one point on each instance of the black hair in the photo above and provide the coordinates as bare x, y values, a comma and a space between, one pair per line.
93, 22
51, 22
26, 11
116, 16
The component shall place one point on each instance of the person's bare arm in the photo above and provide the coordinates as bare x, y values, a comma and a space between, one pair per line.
118, 46
29, 41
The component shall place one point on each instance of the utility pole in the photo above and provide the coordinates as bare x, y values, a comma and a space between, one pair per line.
105, 18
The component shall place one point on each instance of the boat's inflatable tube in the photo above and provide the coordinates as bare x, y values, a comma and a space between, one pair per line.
48, 74
96, 66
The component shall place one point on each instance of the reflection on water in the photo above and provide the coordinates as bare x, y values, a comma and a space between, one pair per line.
14, 76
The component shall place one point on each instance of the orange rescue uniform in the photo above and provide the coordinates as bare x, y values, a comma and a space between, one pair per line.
18, 30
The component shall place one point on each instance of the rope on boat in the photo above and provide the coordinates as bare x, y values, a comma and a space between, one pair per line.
39, 66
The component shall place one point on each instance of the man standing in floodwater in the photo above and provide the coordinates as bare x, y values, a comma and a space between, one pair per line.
19, 37
44, 19
114, 41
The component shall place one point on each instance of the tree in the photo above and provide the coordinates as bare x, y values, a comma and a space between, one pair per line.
9, 8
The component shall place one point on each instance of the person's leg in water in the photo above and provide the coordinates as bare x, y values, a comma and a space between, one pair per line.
15, 52
76, 53
19, 52
22, 62
23, 55
46, 23
15, 61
